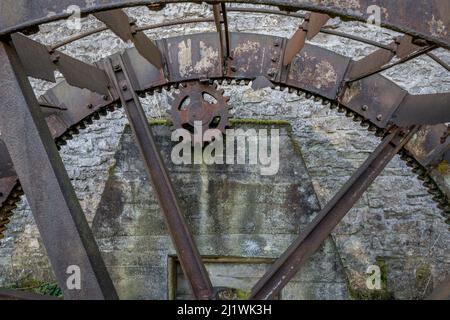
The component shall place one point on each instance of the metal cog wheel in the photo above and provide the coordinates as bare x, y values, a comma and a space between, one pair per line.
200, 102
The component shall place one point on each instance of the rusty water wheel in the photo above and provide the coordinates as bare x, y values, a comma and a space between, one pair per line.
357, 90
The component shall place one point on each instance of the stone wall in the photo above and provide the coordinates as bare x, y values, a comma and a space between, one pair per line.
395, 225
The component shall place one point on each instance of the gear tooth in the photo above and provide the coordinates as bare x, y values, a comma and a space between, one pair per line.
60, 143
357, 118
349, 114
364, 124
434, 192
404, 156
443, 200
421, 177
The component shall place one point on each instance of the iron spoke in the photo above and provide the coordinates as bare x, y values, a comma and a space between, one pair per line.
309, 241
65, 232
184, 244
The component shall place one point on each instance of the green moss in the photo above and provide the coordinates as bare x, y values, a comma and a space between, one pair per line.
366, 294
242, 295
424, 280
167, 122
111, 169
260, 122
444, 167
37, 286
160, 122
234, 294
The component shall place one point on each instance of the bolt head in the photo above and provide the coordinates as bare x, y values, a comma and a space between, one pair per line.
124, 87
379, 117
56, 57
365, 107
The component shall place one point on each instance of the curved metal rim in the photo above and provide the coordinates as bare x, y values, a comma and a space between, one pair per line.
39, 13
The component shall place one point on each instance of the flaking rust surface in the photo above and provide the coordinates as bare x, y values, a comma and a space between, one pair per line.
208, 58
250, 50
320, 73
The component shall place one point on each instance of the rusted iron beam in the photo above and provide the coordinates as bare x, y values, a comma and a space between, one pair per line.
426, 109
63, 227
41, 63
126, 29
405, 59
221, 22
7, 294
402, 47
308, 30
184, 244
310, 239
442, 292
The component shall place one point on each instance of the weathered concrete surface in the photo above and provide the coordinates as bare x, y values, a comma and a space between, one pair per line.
396, 221
232, 210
